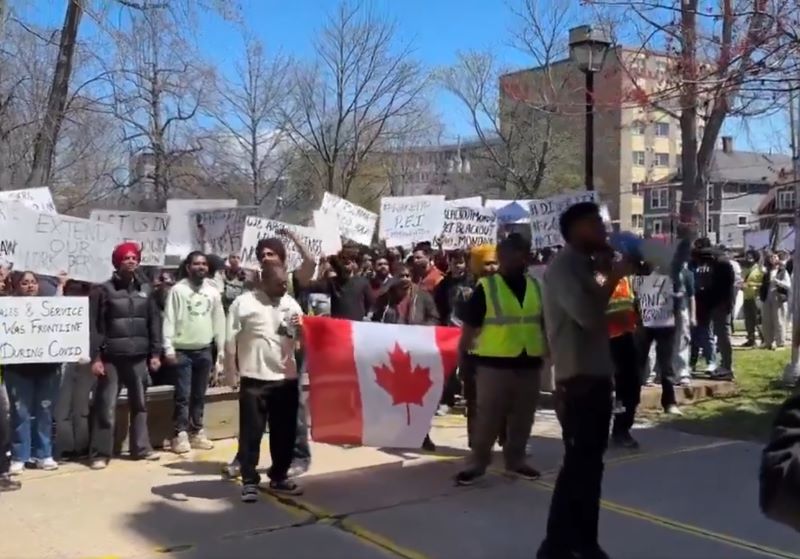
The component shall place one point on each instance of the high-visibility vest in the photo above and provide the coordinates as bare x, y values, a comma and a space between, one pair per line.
621, 311
508, 327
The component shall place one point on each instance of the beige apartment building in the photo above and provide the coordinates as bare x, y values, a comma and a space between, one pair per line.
635, 144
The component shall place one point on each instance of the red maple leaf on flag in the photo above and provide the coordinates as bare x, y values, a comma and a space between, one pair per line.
406, 386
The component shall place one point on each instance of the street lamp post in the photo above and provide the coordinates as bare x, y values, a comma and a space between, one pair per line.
588, 47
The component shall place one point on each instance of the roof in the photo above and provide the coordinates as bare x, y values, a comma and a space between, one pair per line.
740, 167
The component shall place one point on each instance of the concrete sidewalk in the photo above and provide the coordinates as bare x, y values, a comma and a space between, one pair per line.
682, 496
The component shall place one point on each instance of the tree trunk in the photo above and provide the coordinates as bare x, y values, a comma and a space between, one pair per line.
45, 141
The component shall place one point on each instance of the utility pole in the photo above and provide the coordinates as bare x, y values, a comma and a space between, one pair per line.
791, 374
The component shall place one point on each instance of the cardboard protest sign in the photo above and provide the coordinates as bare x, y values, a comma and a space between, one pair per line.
182, 231
470, 202
220, 231
56, 243
257, 228
327, 225
16, 225
146, 228
355, 223
44, 329
656, 303
39, 199
407, 220
545, 214
468, 227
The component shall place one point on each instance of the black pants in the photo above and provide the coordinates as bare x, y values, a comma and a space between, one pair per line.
583, 406
665, 344
5, 430
452, 388
131, 373
262, 402
71, 413
627, 381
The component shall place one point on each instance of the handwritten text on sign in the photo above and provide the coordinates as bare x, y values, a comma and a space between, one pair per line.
656, 302
545, 214
16, 225
355, 223
257, 228
468, 227
39, 199
44, 329
80, 247
409, 219
147, 229
220, 231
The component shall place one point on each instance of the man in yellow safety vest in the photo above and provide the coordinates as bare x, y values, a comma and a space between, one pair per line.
503, 329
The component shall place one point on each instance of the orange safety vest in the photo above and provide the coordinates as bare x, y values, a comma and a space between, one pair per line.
621, 311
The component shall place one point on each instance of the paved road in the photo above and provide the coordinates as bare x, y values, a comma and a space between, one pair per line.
683, 496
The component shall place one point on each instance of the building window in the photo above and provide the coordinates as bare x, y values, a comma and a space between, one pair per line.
710, 194
786, 200
659, 199
658, 227
662, 159
638, 128
662, 129
637, 221
742, 189
742, 221
636, 188
710, 225
661, 66
638, 158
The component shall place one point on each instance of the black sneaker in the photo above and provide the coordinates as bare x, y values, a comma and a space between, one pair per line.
721, 374
749, 343
624, 440
469, 477
250, 493
428, 445
7, 483
526, 472
285, 487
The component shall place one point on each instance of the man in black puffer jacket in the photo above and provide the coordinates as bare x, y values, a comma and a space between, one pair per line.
125, 326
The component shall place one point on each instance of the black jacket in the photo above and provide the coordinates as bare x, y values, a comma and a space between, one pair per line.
780, 467
125, 320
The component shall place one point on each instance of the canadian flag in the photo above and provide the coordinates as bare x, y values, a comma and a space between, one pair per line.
375, 384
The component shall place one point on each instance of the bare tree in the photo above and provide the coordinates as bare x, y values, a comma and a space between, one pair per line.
345, 102
734, 58
250, 150
517, 122
156, 88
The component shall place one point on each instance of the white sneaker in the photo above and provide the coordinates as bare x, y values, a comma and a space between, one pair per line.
180, 443
711, 369
686, 382
47, 464
443, 410
16, 468
674, 410
199, 441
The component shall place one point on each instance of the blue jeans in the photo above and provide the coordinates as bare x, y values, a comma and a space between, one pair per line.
703, 340
191, 381
32, 396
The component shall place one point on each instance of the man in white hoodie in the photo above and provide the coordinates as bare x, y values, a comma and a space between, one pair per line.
262, 336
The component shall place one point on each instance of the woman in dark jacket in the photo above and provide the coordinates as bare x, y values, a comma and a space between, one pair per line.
402, 302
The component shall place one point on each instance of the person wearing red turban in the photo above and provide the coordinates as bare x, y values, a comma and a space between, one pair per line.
125, 347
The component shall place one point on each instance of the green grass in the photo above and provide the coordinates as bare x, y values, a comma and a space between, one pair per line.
749, 414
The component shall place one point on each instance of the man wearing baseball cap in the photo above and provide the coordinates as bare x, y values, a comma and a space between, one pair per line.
125, 324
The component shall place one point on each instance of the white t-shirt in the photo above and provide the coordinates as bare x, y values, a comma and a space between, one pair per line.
260, 339
655, 295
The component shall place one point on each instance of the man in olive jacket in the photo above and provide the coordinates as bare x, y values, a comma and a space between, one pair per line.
125, 327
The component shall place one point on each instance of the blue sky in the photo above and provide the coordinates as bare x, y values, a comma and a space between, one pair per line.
437, 29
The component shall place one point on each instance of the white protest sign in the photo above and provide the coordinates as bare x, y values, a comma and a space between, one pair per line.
182, 232
545, 214
220, 231
327, 225
39, 199
257, 228
44, 329
146, 228
468, 227
407, 220
16, 227
355, 223
655, 295
80, 247
470, 202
